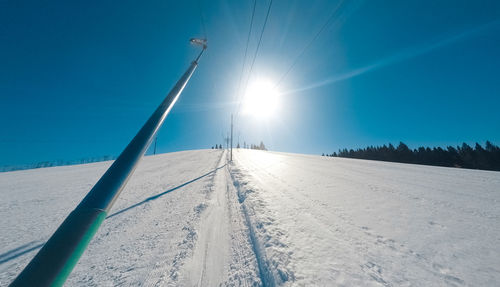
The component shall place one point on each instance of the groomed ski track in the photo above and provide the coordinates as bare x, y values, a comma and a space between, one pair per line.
223, 254
266, 219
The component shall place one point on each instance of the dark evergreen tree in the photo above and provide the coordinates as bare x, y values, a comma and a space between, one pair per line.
262, 146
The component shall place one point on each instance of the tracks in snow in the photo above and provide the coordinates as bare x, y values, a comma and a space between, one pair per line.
224, 253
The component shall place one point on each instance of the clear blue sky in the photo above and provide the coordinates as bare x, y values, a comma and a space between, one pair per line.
79, 78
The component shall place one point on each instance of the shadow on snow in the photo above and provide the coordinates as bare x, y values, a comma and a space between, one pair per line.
165, 192
28, 247
18, 251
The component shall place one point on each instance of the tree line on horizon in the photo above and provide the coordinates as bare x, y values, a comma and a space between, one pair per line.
260, 146
43, 164
464, 156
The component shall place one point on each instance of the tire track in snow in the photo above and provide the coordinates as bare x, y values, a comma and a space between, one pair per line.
266, 273
168, 273
208, 264
222, 255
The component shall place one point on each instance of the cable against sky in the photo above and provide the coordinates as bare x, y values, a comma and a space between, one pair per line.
238, 91
316, 36
255, 55
337, 14
202, 19
400, 56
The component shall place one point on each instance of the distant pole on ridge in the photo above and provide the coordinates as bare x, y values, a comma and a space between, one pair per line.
154, 152
231, 137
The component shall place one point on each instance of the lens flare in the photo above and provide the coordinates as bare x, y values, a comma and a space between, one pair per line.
261, 100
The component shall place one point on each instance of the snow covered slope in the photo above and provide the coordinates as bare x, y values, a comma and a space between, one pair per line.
166, 212
192, 219
331, 221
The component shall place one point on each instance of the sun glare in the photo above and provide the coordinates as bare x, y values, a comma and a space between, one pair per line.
261, 100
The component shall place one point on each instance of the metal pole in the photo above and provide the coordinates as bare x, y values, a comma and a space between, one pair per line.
55, 261
231, 137
156, 138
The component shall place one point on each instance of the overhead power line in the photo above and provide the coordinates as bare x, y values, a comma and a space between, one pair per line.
333, 15
255, 54
202, 20
246, 49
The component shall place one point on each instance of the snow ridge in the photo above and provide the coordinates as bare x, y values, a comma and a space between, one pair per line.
269, 274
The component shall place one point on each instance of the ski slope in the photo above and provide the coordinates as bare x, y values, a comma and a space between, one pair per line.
266, 219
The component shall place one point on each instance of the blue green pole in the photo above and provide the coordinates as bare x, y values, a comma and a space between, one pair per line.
57, 258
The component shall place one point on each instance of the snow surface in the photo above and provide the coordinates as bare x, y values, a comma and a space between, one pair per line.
192, 219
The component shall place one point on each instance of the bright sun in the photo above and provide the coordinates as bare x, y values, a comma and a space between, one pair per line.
261, 100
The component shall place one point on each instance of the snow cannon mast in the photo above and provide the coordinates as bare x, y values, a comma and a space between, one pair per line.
55, 261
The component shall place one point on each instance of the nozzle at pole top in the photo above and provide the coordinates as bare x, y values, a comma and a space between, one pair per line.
199, 42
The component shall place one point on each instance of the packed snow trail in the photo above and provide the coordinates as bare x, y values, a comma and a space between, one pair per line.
223, 253
266, 219
323, 221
